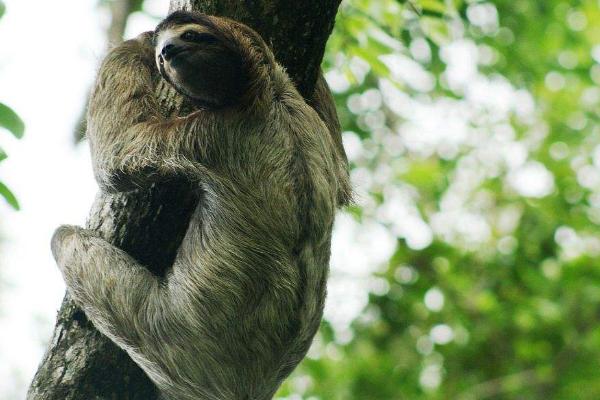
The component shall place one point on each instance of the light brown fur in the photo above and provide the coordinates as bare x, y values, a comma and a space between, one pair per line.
243, 300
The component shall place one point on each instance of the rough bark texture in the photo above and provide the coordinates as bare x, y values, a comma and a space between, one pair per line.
80, 363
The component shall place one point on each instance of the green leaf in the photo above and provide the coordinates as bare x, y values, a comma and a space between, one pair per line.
433, 6
3, 155
9, 196
137, 5
356, 25
377, 47
11, 121
436, 29
2, 9
373, 59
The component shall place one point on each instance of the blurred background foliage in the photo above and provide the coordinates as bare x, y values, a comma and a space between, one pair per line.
11, 123
472, 132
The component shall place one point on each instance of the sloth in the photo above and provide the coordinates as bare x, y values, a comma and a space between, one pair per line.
243, 300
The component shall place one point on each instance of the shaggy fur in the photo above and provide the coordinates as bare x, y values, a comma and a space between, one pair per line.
243, 300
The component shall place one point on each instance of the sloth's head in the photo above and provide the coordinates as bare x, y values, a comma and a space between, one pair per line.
210, 60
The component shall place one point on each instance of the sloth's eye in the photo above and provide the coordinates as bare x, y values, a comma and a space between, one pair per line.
197, 37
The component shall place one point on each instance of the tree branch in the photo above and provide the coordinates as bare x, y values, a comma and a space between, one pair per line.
80, 363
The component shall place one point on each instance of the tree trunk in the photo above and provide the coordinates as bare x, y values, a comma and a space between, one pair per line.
81, 363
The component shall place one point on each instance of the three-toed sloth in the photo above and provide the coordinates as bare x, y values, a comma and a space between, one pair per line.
244, 298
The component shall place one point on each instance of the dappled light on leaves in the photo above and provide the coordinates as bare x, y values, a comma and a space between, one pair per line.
472, 130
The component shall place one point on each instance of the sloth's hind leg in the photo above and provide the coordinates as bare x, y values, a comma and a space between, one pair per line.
113, 289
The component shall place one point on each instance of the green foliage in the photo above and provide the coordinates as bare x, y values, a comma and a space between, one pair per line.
9, 196
481, 134
11, 122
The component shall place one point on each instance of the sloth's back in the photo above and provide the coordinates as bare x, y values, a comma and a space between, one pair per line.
249, 281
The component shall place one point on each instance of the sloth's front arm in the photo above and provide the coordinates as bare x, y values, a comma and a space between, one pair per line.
132, 143
118, 294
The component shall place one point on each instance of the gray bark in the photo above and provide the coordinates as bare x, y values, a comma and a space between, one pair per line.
81, 363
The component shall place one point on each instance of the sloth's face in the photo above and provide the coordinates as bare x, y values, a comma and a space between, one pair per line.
200, 65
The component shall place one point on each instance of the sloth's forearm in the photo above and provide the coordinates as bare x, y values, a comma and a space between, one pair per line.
112, 288
152, 151
124, 92
122, 102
